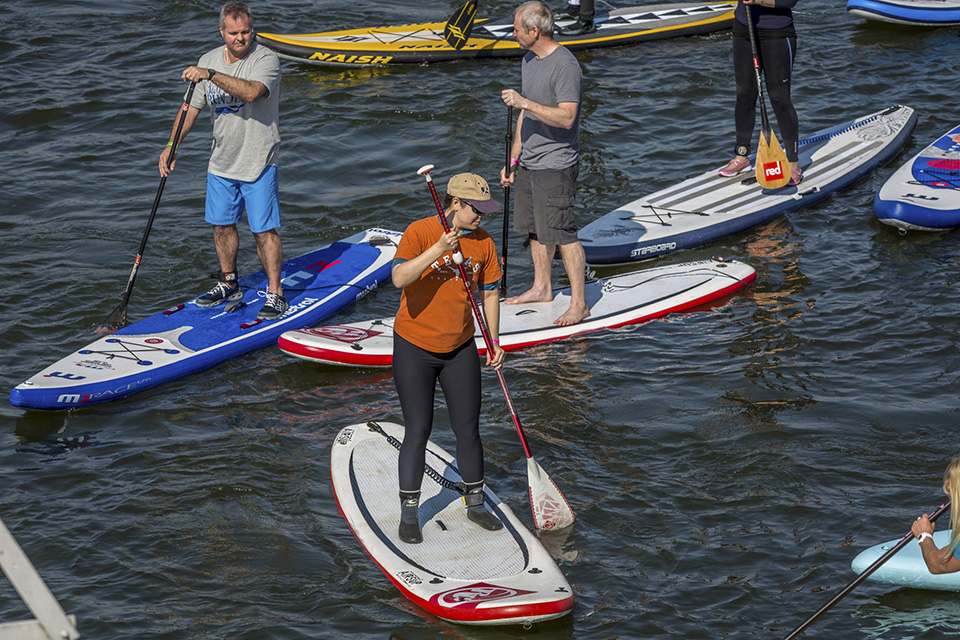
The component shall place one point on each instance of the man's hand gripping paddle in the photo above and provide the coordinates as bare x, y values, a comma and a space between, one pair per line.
118, 317
772, 170
457, 30
550, 508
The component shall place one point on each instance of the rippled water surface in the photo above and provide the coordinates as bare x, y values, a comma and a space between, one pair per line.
725, 465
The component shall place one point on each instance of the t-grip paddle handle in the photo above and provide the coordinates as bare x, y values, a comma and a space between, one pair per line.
425, 172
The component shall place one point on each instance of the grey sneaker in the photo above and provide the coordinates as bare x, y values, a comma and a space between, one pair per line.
221, 293
273, 308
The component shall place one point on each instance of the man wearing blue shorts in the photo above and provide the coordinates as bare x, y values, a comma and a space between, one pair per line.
240, 82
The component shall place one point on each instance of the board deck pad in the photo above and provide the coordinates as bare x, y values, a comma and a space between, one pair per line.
707, 207
493, 38
460, 572
924, 193
614, 302
906, 568
186, 338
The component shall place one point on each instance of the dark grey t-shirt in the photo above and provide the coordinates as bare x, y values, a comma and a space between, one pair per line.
549, 81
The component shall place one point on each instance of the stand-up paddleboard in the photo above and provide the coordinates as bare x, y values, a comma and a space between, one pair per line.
708, 207
924, 194
906, 568
614, 302
460, 572
186, 338
418, 43
925, 13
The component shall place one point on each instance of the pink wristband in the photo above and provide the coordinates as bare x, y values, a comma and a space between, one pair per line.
514, 161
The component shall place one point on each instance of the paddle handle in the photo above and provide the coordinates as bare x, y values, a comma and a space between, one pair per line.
863, 576
156, 200
484, 330
506, 204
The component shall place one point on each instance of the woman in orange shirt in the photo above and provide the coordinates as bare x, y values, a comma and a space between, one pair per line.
433, 341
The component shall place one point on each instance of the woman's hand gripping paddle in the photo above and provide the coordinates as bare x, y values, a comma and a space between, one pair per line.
457, 30
772, 169
118, 317
863, 576
550, 508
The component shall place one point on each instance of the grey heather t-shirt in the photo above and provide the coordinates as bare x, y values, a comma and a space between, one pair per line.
246, 135
549, 81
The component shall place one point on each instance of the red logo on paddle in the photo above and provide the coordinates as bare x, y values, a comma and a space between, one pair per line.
773, 170
472, 595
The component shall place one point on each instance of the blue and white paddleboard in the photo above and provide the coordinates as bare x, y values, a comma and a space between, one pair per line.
186, 338
906, 568
925, 13
708, 207
924, 194
460, 572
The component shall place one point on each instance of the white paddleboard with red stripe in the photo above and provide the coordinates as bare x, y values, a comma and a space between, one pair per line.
460, 572
616, 301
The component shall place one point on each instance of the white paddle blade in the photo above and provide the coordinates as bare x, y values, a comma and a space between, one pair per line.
550, 508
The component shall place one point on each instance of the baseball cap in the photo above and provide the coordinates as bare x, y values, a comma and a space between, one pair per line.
473, 189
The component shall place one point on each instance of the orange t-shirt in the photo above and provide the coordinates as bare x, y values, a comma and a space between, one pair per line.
435, 312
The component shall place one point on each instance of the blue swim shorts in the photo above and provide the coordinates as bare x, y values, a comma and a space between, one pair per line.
227, 199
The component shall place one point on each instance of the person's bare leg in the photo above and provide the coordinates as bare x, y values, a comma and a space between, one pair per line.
270, 250
541, 291
574, 261
227, 243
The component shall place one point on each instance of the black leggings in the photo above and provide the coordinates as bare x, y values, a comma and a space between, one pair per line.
415, 374
776, 56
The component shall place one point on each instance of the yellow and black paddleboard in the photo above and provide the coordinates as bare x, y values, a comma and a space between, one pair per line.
493, 38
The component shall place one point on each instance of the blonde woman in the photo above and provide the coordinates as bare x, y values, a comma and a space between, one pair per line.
943, 560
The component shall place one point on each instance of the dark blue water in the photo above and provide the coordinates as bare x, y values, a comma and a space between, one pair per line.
724, 465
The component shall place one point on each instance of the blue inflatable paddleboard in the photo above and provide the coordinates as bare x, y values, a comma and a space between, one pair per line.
186, 338
924, 194
924, 13
906, 568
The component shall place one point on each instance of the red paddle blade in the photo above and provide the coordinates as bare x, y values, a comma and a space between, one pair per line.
550, 508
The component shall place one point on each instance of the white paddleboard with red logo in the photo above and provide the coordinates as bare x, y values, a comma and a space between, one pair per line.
616, 301
460, 572
709, 207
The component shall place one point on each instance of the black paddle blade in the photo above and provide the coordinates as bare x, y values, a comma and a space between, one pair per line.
114, 321
458, 27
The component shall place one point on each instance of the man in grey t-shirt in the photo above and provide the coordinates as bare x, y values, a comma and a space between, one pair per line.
546, 154
240, 82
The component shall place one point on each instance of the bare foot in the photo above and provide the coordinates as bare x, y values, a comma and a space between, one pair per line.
530, 295
572, 316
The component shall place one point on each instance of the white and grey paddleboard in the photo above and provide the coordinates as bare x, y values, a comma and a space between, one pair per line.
629, 298
460, 572
708, 207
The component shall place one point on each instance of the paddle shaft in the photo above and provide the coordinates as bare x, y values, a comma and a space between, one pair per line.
756, 68
863, 576
506, 204
156, 200
484, 330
